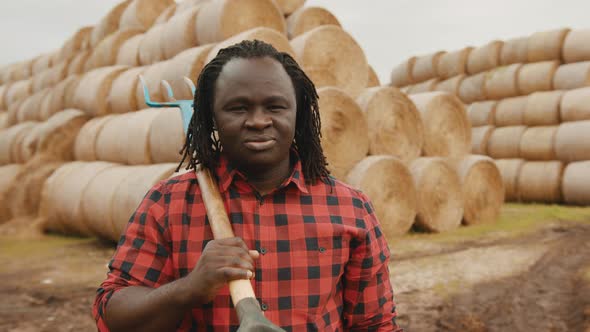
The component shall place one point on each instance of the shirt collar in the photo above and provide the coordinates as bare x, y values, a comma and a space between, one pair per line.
227, 174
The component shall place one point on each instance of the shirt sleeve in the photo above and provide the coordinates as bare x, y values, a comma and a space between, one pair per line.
368, 294
143, 255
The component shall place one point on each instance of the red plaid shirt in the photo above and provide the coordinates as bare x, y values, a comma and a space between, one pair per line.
323, 263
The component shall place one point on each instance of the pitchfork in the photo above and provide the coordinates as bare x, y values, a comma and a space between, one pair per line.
242, 295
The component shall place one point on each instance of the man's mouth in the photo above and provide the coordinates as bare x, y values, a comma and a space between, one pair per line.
260, 143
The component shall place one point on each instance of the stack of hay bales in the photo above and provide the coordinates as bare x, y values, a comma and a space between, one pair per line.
409, 155
528, 104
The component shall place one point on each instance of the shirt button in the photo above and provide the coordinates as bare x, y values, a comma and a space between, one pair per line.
263, 251
264, 307
322, 249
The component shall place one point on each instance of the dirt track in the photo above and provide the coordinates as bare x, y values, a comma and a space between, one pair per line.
535, 281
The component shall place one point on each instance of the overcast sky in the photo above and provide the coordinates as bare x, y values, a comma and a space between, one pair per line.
388, 30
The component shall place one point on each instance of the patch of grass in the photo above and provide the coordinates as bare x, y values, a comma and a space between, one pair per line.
514, 220
20, 248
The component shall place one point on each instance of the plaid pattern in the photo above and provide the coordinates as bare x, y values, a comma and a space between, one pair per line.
323, 263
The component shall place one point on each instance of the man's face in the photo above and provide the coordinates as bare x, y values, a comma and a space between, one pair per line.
255, 112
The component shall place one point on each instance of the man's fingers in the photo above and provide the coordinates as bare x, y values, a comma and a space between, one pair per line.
254, 254
234, 273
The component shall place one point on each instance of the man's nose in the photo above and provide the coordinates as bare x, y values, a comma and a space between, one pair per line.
258, 118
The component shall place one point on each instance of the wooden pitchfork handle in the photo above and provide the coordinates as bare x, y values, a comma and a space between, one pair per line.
221, 227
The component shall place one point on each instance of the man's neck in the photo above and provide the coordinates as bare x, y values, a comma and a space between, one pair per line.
267, 180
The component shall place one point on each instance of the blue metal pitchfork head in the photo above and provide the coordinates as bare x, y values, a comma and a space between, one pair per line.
185, 106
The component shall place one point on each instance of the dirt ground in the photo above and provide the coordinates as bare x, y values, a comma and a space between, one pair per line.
528, 272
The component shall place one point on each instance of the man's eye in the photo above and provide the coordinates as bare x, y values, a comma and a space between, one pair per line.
277, 107
240, 108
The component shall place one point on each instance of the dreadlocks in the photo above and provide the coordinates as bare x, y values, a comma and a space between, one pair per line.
203, 147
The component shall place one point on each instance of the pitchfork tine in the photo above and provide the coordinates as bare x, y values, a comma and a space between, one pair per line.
168, 88
190, 85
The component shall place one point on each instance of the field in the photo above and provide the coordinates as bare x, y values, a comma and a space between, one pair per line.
528, 272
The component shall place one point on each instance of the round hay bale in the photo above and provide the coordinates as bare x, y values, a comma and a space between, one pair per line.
91, 93
85, 144
401, 75
390, 186
484, 57
121, 143
502, 82
288, 7
450, 85
373, 80
505, 142
189, 64
21, 70
167, 14
480, 136
108, 24
572, 76
426, 66
546, 45
141, 14
571, 141
41, 63
18, 91
510, 170
332, 57
122, 98
64, 191
216, 20
447, 132
105, 53
186, 5
454, 63
538, 143
129, 52
440, 202
130, 192
58, 134
153, 76
510, 111
26, 146
150, 48
575, 105
3, 120
575, 46
9, 141
97, 199
61, 96
345, 138
542, 108
270, 36
534, 77
179, 33
78, 42
482, 113
3, 89
78, 63
426, 86
575, 185
25, 190
308, 18
29, 109
8, 174
473, 88
395, 126
482, 189
540, 181
514, 51
12, 113
166, 136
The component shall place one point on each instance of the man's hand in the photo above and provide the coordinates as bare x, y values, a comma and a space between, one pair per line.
222, 260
